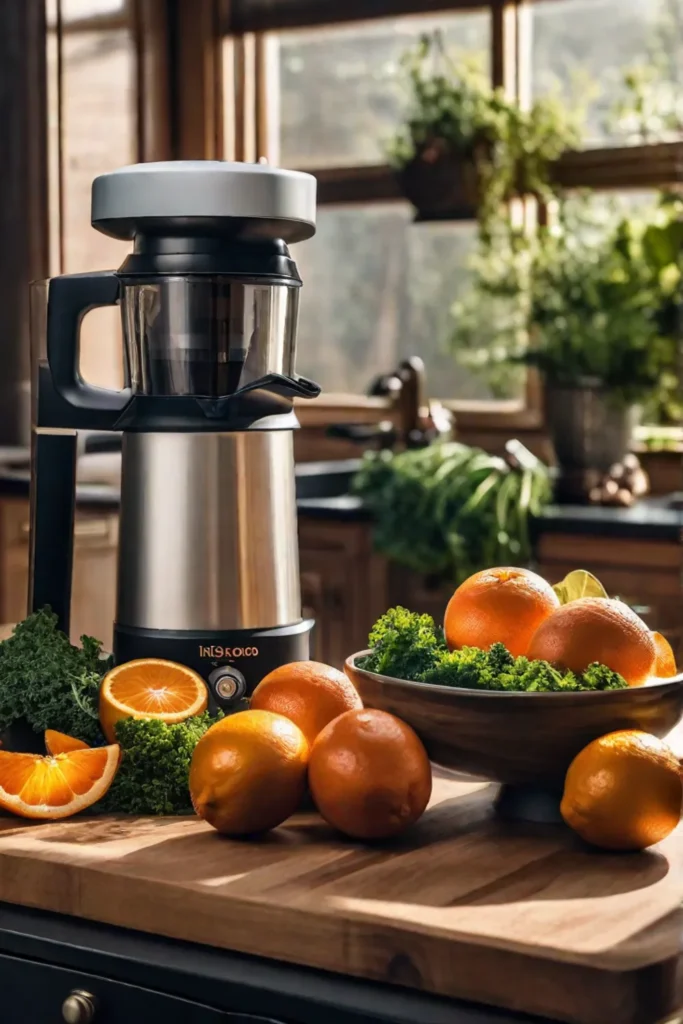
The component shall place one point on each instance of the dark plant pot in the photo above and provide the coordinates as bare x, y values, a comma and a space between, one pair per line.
590, 431
441, 185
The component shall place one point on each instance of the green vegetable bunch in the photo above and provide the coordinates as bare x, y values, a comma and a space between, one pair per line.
450, 510
48, 682
406, 645
51, 684
155, 766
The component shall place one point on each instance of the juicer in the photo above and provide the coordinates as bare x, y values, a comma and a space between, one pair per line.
208, 571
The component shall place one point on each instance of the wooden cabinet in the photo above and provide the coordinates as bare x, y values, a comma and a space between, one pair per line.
94, 572
344, 585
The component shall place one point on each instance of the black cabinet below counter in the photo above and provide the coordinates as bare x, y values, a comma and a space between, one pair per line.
61, 969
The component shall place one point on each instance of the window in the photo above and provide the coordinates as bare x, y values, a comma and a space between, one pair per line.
587, 45
326, 97
340, 88
93, 129
378, 288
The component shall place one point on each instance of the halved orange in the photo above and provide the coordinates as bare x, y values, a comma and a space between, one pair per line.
60, 743
34, 786
150, 688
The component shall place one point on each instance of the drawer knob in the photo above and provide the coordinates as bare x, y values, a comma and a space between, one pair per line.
78, 1008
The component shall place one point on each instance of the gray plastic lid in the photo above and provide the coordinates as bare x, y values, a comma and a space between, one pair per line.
234, 199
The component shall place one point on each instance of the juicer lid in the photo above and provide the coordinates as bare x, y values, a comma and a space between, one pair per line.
199, 197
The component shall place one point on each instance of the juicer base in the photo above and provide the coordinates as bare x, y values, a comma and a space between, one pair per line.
232, 662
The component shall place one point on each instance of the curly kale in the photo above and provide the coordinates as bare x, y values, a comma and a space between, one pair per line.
599, 677
406, 645
155, 766
48, 682
466, 669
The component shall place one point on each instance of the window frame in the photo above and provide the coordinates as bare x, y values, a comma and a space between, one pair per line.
603, 169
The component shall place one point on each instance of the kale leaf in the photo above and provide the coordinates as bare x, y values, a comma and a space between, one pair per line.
48, 682
404, 645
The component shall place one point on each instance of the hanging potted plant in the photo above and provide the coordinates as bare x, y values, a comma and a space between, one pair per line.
464, 148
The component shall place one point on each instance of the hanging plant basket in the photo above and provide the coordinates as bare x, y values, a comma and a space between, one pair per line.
441, 184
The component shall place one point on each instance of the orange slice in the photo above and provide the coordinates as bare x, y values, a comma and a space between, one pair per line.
60, 743
34, 786
150, 688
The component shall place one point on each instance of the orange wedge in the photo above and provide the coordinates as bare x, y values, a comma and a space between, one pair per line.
150, 688
33, 786
665, 661
60, 743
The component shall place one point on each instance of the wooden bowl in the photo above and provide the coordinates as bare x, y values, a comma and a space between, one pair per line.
516, 738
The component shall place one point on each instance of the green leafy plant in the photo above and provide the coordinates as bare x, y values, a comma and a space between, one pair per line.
454, 111
594, 297
449, 510
405, 645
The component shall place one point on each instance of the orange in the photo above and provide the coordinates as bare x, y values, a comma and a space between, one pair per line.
498, 606
60, 743
150, 688
369, 774
56, 786
623, 791
308, 693
596, 629
248, 772
665, 661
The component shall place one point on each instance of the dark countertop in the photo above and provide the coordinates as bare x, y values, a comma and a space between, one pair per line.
651, 519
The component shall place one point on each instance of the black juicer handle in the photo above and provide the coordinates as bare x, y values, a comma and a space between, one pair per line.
70, 297
53, 455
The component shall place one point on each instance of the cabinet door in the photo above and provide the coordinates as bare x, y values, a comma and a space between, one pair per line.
343, 586
325, 597
35, 993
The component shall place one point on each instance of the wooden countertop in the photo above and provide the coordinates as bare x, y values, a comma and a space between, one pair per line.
465, 906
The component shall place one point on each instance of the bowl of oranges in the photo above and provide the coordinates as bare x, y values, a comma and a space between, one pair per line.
521, 677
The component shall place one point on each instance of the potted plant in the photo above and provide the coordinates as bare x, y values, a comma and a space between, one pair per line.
464, 148
591, 302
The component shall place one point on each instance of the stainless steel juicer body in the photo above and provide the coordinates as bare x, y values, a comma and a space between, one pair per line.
208, 532
208, 556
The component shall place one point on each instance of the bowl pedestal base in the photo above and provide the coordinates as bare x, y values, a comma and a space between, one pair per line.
530, 803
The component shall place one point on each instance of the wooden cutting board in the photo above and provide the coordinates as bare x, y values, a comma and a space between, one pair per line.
519, 916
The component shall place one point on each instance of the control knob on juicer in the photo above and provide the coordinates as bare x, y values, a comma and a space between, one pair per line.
227, 685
